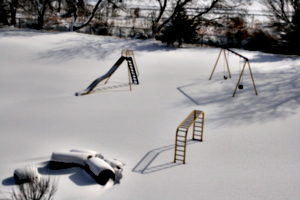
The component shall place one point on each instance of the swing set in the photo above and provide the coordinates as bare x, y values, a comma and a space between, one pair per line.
228, 74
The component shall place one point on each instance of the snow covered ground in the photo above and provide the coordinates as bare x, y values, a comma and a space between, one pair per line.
251, 143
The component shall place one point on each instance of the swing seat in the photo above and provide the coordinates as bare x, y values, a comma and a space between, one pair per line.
225, 77
241, 87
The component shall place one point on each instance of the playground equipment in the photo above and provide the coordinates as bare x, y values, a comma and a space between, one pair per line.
195, 118
133, 72
246, 62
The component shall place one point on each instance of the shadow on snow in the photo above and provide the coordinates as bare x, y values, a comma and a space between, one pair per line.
98, 47
145, 166
278, 97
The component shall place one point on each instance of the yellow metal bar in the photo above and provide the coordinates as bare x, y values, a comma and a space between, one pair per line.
216, 64
252, 78
124, 52
241, 74
184, 152
175, 146
195, 117
202, 126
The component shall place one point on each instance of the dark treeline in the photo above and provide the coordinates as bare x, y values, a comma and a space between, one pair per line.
174, 22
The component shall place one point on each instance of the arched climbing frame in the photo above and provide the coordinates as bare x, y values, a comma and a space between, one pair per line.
195, 119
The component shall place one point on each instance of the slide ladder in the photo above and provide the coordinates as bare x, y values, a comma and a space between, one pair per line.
195, 119
132, 71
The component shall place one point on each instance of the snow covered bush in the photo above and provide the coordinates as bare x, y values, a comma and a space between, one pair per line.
43, 188
33, 186
26, 174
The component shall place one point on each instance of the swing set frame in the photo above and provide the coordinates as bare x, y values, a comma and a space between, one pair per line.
247, 62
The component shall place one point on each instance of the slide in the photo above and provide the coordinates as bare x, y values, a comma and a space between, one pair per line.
105, 76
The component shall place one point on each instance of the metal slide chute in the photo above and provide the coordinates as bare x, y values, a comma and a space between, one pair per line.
133, 72
105, 76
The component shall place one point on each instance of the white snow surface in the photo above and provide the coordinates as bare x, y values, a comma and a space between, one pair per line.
250, 148
70, 157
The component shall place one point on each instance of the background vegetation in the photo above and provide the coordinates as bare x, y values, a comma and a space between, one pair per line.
175, 22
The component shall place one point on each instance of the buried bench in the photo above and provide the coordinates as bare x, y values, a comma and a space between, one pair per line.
95, 164
63, 160
100, 170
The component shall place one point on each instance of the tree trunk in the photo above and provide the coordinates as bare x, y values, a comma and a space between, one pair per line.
13, 11
89, 19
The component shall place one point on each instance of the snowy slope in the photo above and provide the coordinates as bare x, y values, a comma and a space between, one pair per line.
250, 148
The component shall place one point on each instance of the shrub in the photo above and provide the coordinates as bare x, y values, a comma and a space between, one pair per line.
180, 30
43, 188
262, 41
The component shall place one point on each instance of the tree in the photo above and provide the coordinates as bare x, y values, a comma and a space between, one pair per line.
286, 18
181, 30
41, 7
8, 10
236, 31
4, 12
168, 9
79, 8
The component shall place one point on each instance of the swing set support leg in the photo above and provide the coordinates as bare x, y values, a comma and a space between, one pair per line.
246, 62
215, 64
227, 65
252, 78
239, 78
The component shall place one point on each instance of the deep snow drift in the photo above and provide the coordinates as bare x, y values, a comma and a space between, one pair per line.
251, 143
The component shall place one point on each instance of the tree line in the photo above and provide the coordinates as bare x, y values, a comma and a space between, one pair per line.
171, 21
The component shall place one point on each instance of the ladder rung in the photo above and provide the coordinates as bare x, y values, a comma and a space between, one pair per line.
179, 156
181, 131
184, 126
189, 121
197, 134
180, 150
